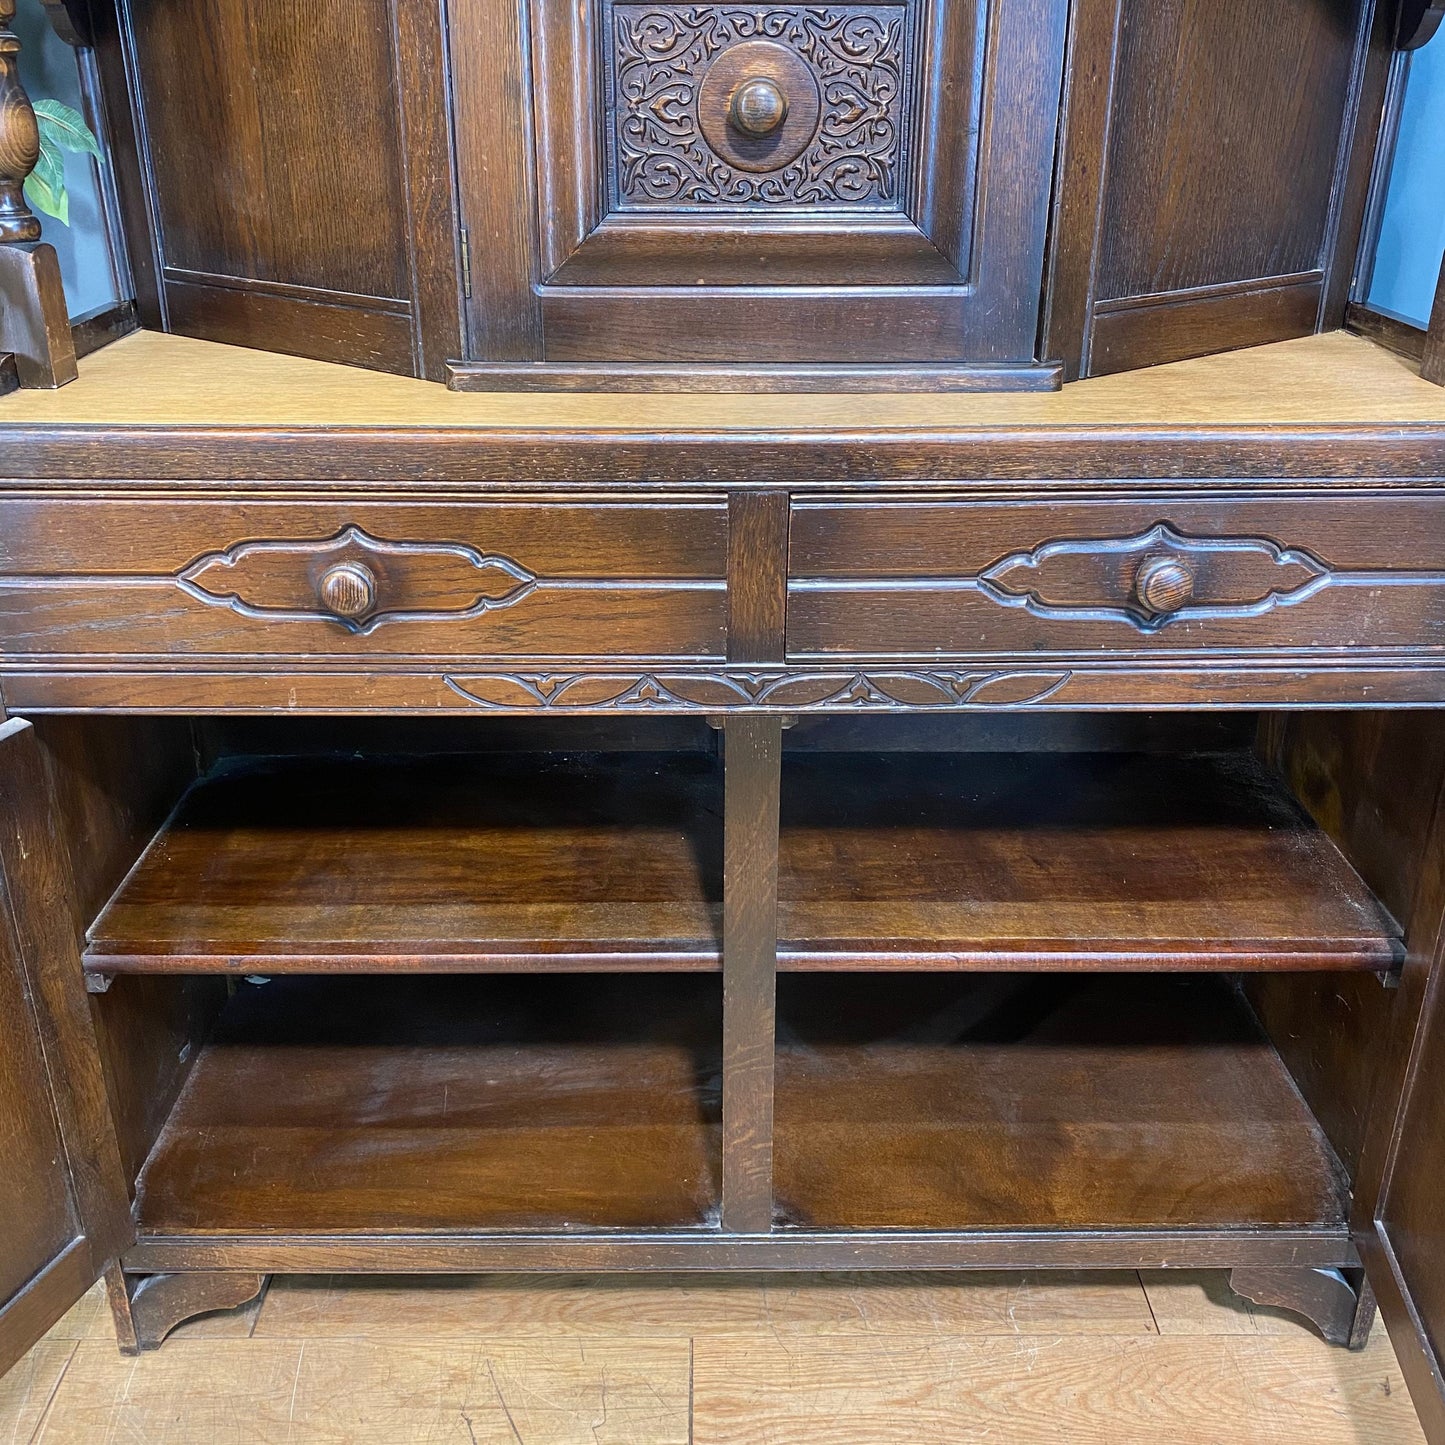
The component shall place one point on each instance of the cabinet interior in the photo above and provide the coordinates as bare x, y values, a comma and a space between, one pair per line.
1063, 972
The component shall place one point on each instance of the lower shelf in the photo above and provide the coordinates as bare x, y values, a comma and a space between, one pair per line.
395, 1105
569, 1106
1076, 1103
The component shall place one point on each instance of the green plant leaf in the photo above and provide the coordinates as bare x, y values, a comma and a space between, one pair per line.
45, 185
40, 196
66, 128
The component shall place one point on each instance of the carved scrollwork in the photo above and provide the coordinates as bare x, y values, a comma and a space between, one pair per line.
286, 579
1112, 578
788, 692
656, 62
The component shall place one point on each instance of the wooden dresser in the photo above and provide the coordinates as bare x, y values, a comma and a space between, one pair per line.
888, 716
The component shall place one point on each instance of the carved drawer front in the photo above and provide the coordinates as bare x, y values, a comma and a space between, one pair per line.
1309, 574
178, 581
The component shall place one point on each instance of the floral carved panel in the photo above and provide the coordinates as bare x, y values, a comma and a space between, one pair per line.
657, 56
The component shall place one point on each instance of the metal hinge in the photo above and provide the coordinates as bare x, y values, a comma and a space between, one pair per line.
466, 263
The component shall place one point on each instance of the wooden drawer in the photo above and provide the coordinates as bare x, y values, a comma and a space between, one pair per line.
1262, 574
182, 580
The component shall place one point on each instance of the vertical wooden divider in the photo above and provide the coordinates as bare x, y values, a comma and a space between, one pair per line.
752, 778
753, 751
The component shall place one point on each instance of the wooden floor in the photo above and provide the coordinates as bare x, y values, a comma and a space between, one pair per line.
817, 1360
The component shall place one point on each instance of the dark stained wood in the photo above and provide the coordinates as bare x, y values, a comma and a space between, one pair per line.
157, 1303
1156, 331
970, 578
1403, 1244
433, 228
504, 863
62, 1189
99, 328
1327, 1247
1432, 361
754, 748
930, 1102
381, 1106
594, 579
1213, 182
1342, 1315
19, 140
34, 323
1062, 861
1081, 168
757, 576
1214, 155
496, 199
1373, 781
1393, 332
683, 243
596, 376
240, 122
316, 323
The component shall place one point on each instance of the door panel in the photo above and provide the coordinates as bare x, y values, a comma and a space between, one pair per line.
62, 1196
1405, 1254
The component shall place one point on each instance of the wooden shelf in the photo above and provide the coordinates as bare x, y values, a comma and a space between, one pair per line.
1063, 861
404, 1104
608, 862
934, 1102
510, 861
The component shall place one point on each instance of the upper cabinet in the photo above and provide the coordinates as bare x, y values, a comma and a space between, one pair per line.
879, 194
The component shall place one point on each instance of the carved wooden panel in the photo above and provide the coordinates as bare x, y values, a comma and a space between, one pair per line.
717, 183
659, 58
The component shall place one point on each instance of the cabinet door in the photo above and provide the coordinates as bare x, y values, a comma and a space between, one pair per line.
1405, 1250
62, 1195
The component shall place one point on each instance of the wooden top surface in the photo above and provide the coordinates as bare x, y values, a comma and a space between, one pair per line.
153, 380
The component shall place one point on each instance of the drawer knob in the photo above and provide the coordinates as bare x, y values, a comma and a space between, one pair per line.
348, 589
759, 107
1163, 585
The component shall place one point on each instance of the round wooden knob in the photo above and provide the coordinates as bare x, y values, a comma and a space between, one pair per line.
1164, 585
758, 107
348, 589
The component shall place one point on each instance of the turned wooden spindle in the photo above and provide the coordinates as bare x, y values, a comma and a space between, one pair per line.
19, 138
34, 320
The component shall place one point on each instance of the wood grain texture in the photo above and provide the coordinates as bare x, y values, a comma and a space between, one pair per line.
531, 862
1062, 861
644, 579
1213, 182
1106, 1392
948, 1104
1197, 323
386, 1106
753, 749
757, 577
780, 1306
34, 321
909, 578
1330, 406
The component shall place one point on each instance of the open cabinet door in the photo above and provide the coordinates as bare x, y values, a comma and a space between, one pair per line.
1404, 1252
63, 1205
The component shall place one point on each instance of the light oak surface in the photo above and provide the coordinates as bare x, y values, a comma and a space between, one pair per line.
150, 379
826, 1360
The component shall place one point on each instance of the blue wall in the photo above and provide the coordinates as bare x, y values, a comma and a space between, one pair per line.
1412, 238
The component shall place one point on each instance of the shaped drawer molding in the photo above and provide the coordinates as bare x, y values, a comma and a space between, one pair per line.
1253, 575
356, 580
1154, 577
136, 581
